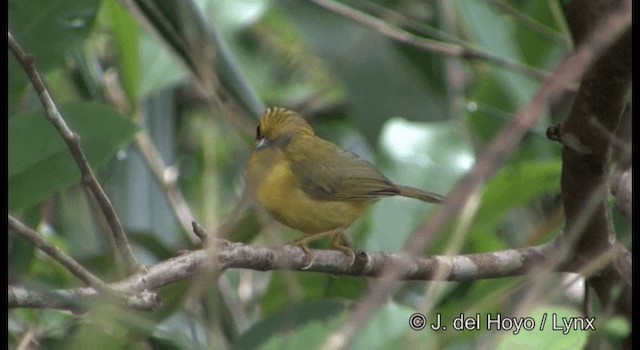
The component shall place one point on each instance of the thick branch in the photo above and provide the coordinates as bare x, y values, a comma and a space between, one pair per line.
237, 255
72, 140
599, 105
623, 192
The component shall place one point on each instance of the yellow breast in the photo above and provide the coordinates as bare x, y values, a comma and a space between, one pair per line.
277, 190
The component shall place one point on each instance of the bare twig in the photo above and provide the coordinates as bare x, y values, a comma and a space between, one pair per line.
204, 55
72, 140
68, 262
75, 299
29, 339
165, 176
138, 300
531, 23
199, 231
166, 181
446, 49
571, 69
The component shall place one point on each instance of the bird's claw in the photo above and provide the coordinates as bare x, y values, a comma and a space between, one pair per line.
309, 256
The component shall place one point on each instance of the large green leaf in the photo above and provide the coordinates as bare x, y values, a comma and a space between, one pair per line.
300, 287
126, 34
196, 44
47, 29
500, 91
301, 324
513, 187
389, 329
39, 160
380, 80
309, 325
547, 335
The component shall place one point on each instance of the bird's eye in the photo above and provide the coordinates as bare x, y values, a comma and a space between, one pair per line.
258, 133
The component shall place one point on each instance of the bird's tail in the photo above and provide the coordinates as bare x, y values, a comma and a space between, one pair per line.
422, 195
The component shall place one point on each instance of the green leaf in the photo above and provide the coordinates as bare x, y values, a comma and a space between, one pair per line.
195, 43
126, 34
309, 325
48, 30
547, 337
389, 329
40, 162
515, 186
297, 326
160, 70
285, 288
617, 327
501, 91
379, 79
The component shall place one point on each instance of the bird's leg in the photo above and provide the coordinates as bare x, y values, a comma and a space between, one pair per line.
303, 243
335, 244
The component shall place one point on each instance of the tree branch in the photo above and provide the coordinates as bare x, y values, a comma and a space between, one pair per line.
569, 70
446, 49
72, 140
75, 299
623, 192
228, 255
531, 23
139, 300
166, 178
68, 262
587, 139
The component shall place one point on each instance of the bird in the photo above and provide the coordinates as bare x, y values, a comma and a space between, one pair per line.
312, 185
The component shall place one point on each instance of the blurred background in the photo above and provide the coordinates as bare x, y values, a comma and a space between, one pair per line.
165, 96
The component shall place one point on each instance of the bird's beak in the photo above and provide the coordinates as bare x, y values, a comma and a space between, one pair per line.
262, 143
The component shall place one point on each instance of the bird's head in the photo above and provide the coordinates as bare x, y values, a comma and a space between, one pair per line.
278, 126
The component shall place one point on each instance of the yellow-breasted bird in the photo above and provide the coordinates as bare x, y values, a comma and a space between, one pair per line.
312, 185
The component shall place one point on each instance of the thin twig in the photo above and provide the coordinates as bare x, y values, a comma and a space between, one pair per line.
434, 46
531, 23
165, 180
29, 339
138, 300
76, 299
65, 260
165, 176
571, 69
72, 140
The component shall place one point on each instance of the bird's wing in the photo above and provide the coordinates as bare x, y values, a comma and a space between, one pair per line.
338, 175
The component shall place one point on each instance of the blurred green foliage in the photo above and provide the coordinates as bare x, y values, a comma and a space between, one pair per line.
421, 117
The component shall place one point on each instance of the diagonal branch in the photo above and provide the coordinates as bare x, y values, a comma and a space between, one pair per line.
68, 262
138, 300
72, 140
570, 69
166, 178
441, 48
